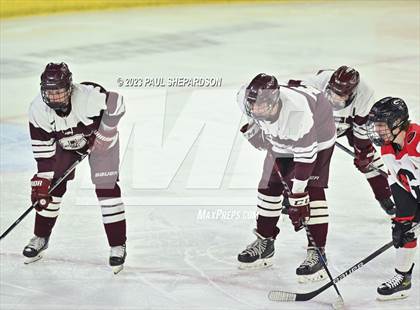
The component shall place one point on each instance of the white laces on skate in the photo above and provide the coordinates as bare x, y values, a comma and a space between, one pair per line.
117, 251
311, 259
36, 243
256, 248
395, 281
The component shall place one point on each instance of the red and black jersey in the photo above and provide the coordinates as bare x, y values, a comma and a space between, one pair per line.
404, 165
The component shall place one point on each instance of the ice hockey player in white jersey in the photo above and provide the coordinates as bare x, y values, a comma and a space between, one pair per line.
295, 126
352, 99
389, 127
66, 120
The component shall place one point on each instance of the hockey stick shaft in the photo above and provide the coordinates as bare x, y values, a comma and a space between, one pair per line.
308, 233
56, 184
351, 153
288, 296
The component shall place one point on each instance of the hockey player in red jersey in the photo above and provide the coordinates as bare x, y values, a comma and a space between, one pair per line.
352, 99
66, 120
389, 127
295, 126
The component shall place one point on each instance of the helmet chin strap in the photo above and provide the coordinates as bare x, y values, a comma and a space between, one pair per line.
64, 111
397, 147
275, 116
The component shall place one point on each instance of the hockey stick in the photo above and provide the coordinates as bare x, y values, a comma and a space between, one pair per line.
58, 182
288, 296
308, 233
342, 147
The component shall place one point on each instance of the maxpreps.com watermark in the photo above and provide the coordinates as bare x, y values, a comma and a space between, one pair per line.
224, 215
169, 82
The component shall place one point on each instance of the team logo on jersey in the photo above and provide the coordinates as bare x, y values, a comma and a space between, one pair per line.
404, 181
410, 136
408, 180
73, 143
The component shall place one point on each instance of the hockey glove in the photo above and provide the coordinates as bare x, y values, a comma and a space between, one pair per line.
299, 209
39, 192
363, 158
103, 140
400, 234
254, 135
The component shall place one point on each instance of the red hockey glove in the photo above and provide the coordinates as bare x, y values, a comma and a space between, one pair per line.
363, 158
39, 192
299, 209
103, 140
254, 135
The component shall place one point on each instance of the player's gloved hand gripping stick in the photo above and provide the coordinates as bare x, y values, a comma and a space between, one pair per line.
340, 300
342, 147
34, 205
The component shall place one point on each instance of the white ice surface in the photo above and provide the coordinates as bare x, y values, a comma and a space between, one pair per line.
199, 163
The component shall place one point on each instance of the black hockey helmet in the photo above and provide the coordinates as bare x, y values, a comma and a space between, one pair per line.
387, 115
56, 85
261, 96
341, 86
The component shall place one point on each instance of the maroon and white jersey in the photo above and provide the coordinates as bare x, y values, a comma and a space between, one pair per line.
404, 166
91, 107
354, 116
305, 126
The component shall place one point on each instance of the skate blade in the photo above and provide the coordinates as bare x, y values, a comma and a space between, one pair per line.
29, 260
117, 269
258, 264
338, 304
397, 295
315, 277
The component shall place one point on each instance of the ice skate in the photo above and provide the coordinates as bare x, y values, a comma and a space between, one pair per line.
117, 258
33, 251
397, 287
312, 270
258, 254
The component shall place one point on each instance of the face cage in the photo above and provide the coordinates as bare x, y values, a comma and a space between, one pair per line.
270, 103
373, 135
59, 105
337, 102
385, 136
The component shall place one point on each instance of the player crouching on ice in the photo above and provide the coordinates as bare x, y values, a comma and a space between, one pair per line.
66, 120
388, 127
351, 99
295, 125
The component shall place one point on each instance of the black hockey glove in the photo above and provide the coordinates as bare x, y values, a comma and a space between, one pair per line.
400, 234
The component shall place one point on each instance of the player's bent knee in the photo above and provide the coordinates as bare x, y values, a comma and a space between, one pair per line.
113, 210
53, 208
269, 206
318, 212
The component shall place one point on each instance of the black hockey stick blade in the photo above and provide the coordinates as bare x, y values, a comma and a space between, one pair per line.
277, 295
289, 296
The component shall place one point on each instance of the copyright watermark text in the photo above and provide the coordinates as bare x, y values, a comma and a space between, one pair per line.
224, 215
151, 82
